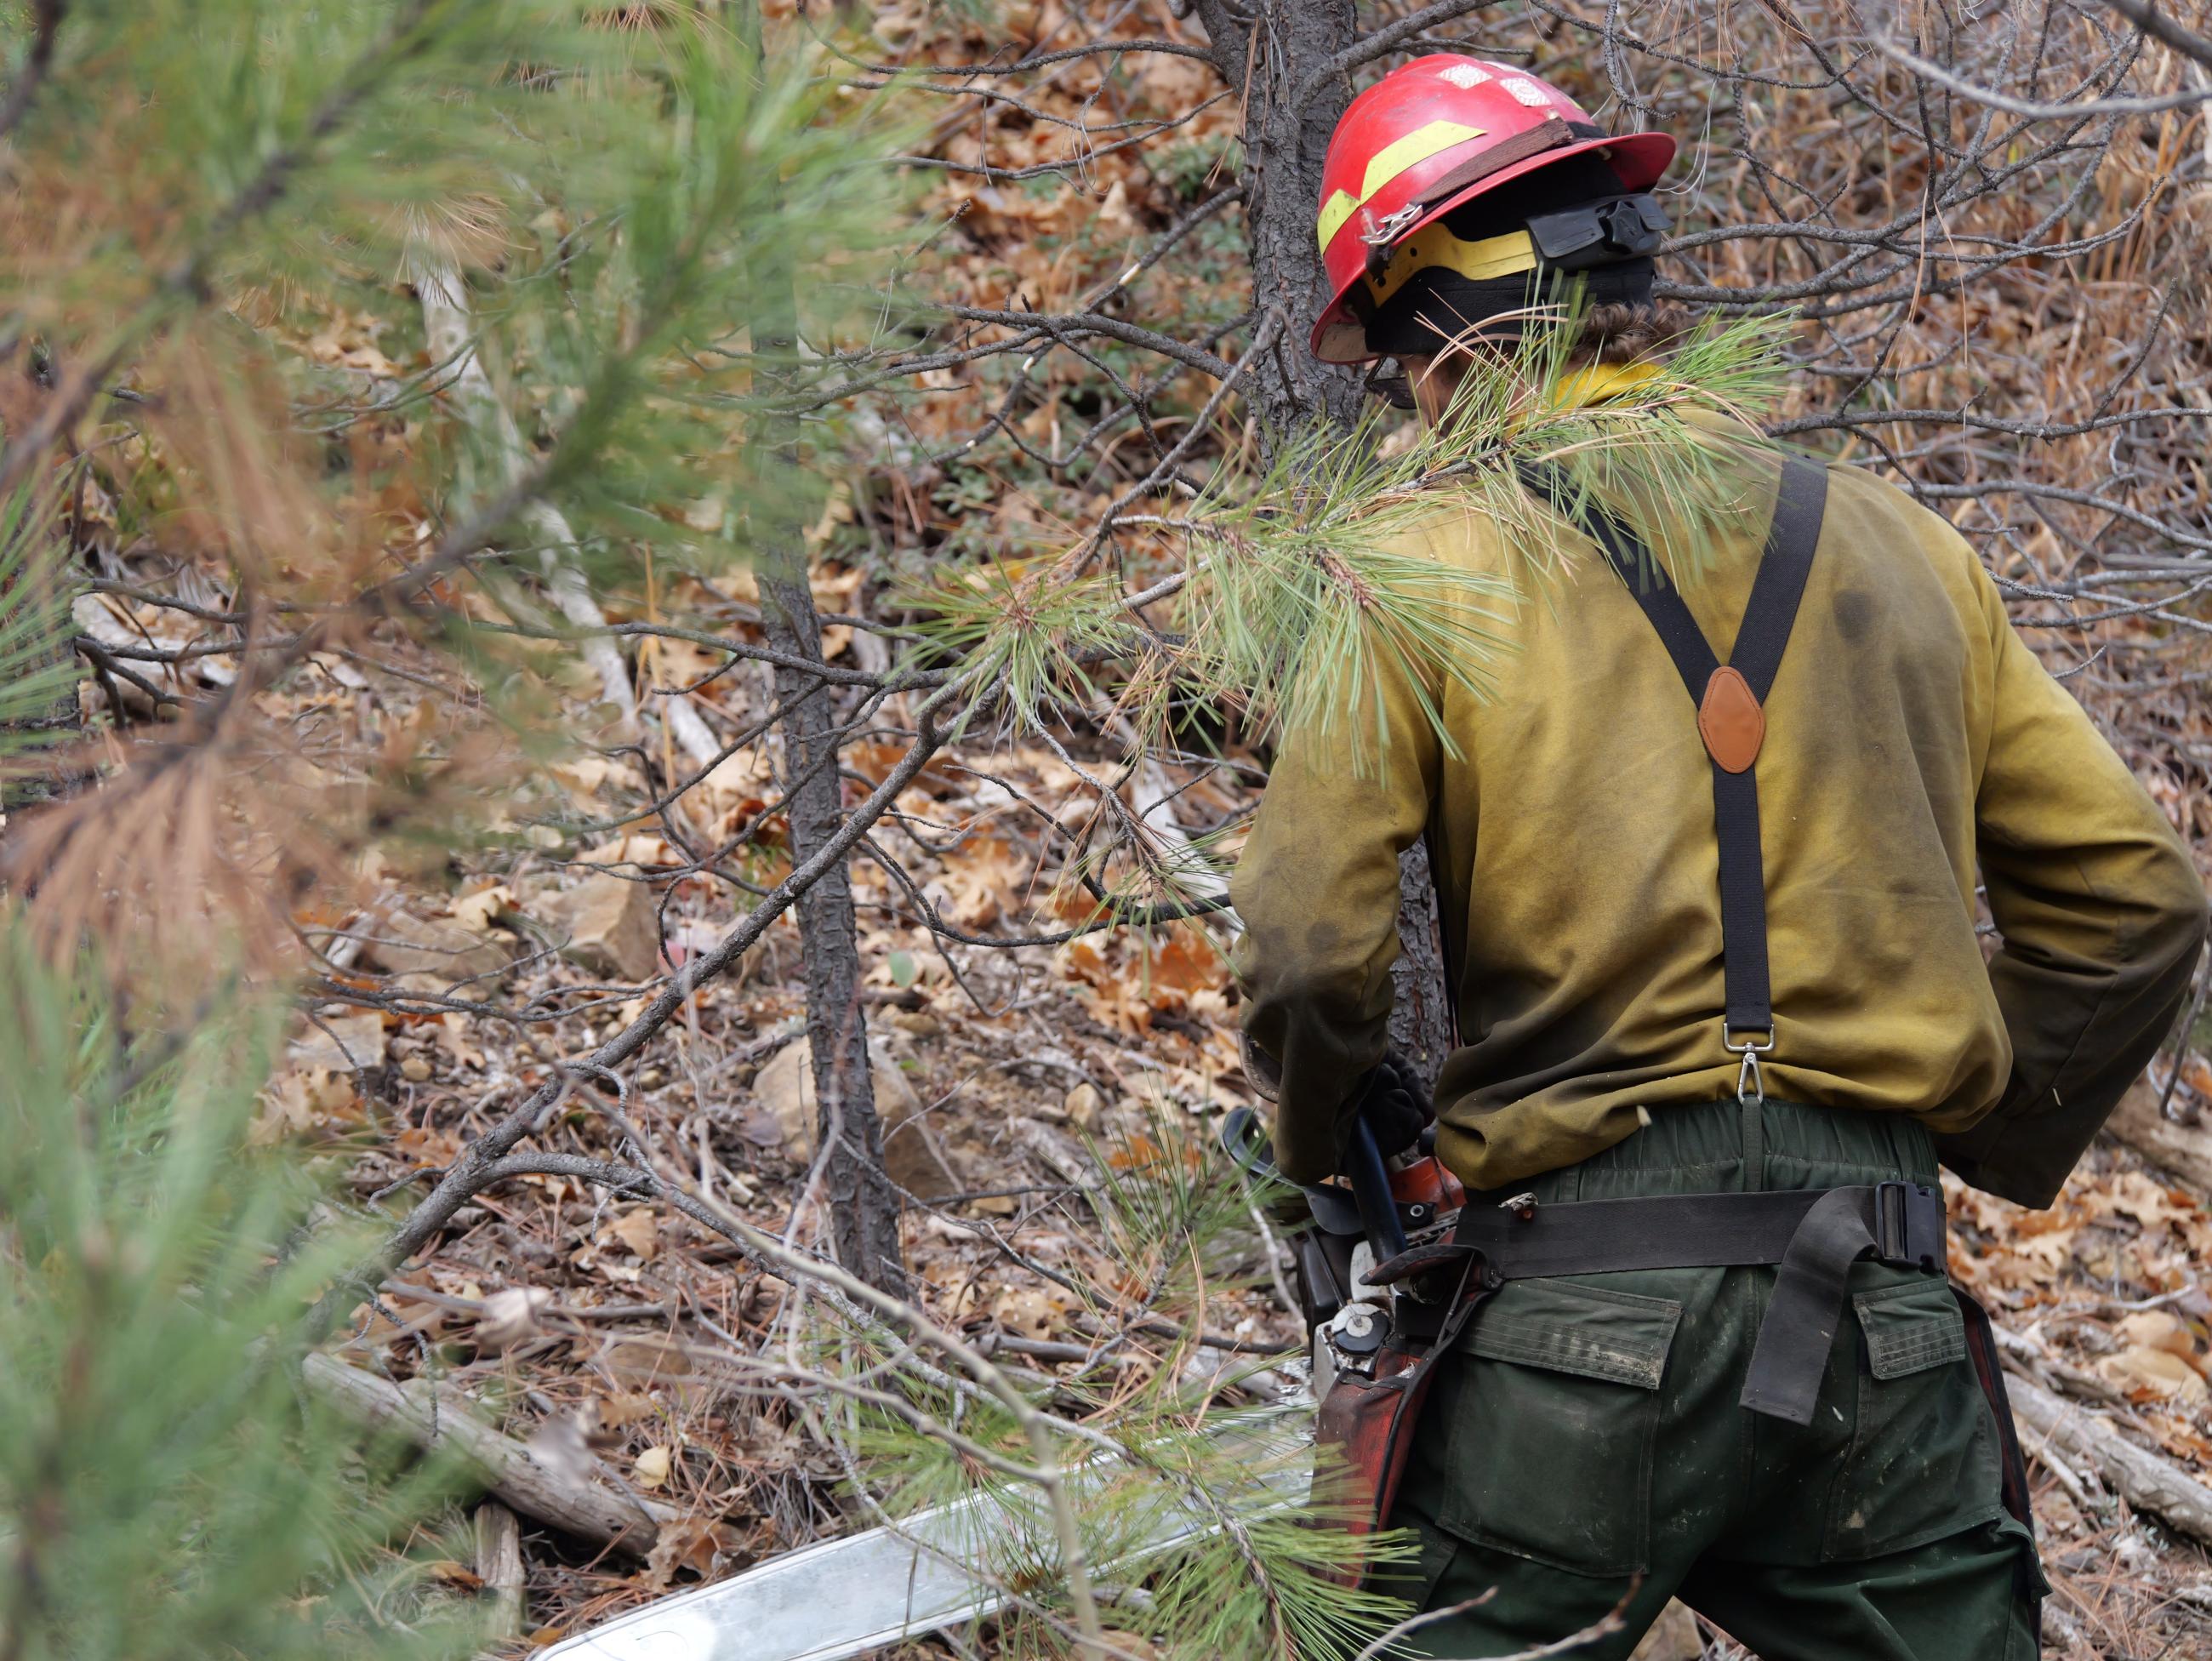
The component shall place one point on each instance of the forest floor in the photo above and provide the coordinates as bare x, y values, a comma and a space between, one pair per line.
1003, 1075
573, 1318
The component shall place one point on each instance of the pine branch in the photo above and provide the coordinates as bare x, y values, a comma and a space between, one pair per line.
45, 24
183, 286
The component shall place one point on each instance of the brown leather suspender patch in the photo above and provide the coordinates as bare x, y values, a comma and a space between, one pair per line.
1729, 698
1730, 722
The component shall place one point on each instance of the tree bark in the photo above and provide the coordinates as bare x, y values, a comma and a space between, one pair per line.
499, 1566
854, 1190
580, 1501
1284, 145
2148, 1481
862, 1205
1421, 1008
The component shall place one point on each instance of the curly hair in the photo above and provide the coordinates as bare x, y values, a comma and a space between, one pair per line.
1619, 334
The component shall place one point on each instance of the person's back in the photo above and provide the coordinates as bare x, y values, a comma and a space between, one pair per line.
1756, 1078
1912, 737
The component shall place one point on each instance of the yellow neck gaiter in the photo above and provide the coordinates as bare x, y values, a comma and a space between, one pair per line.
1600, 381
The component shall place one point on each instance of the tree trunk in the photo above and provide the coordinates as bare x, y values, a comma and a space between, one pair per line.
862, 1205
856, 1192
1284, 145
1421, 1011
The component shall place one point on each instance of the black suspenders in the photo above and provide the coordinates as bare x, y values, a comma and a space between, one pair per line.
1729, 699
1811, 1237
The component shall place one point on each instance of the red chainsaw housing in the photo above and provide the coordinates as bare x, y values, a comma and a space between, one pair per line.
1426, 1182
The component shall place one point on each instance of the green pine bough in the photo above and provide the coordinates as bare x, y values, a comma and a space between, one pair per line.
167, 1490
1196, 1515
1283, 590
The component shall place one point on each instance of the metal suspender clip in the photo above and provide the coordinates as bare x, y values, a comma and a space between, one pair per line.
1908, 1226
1749, 1086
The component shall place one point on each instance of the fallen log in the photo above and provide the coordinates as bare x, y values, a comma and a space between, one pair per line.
2150, 1482
515, 1473
2186, 1150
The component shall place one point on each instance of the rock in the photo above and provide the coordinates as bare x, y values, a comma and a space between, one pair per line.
1057, 1151
1081, 1105
405, 945
610, 927
342, 1044
785, 1087
1674, 1637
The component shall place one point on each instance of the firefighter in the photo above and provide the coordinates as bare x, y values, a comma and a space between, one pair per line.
1707, 861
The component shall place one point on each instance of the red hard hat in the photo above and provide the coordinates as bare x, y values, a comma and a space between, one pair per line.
1431, 136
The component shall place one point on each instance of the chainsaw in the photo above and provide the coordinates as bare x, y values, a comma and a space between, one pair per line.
1340, 1231
1374, 1319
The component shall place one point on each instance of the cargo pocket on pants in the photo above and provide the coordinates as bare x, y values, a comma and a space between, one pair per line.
1922, 1461
1554, 1418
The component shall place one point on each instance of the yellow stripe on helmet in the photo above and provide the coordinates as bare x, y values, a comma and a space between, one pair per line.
1385, 165
1433, 247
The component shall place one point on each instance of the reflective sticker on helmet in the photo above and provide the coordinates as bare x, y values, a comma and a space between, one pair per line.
1436, 247
1465, 76
1386, 164
1529, 92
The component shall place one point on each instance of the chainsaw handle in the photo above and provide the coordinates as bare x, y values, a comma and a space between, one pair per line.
1370, 1191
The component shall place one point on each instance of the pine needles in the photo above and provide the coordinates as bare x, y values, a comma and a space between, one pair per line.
166, 1493
35, 670
1196, 1516
1311, 586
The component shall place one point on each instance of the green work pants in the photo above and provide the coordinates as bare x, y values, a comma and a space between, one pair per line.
1583, 1445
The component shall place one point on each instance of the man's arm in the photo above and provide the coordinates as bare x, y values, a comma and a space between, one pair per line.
1317, 888
2102, 916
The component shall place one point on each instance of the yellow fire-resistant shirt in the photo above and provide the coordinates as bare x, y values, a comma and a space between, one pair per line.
1912, 738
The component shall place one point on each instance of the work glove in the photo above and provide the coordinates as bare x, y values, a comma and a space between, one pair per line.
1395, 1103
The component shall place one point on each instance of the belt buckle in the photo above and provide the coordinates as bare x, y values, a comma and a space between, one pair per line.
1909, 1226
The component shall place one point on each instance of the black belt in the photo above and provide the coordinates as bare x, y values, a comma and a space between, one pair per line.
1812, 1235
